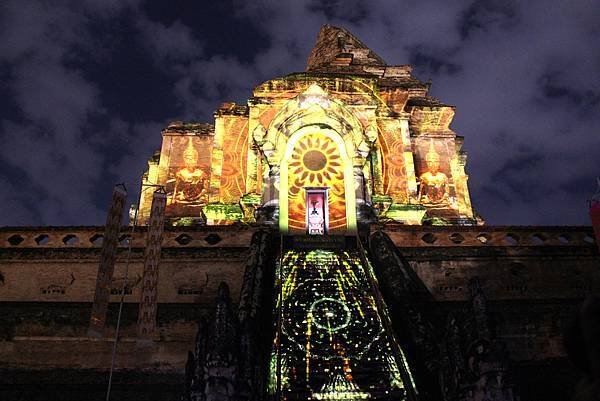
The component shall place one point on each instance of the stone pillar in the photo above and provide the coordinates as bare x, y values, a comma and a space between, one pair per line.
271, 185
376, 162
269, 211
107, 261
251, 317
479, 308
147, 313
359, 183
364, 209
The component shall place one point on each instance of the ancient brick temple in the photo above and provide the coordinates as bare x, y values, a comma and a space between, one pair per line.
315, 243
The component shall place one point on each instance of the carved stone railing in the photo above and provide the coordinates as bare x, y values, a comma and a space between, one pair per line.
91, 237
228, 236
482, 236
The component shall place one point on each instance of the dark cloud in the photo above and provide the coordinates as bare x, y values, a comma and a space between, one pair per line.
510, 180
87, 86
352, 11
554, 92
481, 16
172, 43
432, 64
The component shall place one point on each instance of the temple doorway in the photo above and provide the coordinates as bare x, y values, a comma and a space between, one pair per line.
317, 214
316, 161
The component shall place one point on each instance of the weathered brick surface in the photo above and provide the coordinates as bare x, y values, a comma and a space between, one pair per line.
533, 288
190, 271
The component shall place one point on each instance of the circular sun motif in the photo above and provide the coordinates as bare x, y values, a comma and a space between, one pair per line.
316, 160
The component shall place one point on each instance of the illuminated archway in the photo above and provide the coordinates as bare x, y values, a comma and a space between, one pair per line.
313, 110
314, 106
316, 156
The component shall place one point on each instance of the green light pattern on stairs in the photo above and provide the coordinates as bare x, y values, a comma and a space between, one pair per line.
332, 342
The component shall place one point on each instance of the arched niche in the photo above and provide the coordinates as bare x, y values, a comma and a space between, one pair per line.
335, 142
314, 106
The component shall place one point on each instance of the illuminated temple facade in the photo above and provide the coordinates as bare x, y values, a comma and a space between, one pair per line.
315, 243
350, 140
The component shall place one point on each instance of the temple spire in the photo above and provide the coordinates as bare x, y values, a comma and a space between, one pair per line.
336, 47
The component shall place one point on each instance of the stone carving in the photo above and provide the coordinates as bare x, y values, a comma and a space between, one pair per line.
404, 290
194, 368
227, 360
220, 366
249, 315
470, 365
268, 215
405, 293
366, 214
211, 370
475, 364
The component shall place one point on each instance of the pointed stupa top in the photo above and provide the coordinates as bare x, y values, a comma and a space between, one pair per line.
337, 49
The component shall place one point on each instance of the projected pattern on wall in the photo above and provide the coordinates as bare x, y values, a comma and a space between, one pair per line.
333, 344
316, 162
235, 150
393, 165
188, 175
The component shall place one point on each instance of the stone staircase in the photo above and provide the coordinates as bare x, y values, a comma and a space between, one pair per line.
333, 341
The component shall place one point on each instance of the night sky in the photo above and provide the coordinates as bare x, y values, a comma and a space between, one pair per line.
86, 87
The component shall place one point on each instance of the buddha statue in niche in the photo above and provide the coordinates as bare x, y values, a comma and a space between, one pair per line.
433, 190
190, 181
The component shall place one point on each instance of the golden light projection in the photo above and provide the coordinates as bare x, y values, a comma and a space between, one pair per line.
316, 162
393, 164
235, 149
383, 143
188, 176
434, 183
189, 180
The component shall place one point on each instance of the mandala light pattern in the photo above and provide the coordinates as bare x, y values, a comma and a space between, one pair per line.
316, 162
393, 166
332, 343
